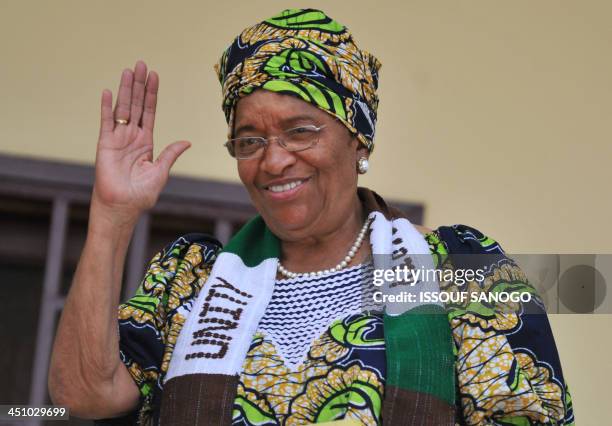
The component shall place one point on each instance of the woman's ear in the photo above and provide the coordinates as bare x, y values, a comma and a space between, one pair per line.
362, 150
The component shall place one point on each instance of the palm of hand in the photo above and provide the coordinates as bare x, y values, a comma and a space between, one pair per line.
127, 178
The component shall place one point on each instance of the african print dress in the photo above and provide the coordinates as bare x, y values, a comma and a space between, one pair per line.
315, 359
319, 353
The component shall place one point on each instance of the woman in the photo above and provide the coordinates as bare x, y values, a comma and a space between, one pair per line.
282, 326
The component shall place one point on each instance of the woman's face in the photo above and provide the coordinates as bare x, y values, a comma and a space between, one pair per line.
326, 174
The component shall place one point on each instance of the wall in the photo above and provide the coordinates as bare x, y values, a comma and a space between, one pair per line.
494, 114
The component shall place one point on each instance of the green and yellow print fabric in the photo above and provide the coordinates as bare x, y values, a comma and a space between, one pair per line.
506, 363
507, 366
150, 321
304, 53
342, 377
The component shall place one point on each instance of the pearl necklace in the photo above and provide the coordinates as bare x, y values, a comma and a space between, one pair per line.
347, 259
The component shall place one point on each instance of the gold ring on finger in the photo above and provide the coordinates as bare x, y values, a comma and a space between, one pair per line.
120, 121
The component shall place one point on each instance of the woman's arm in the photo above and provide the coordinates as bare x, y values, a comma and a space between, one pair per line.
507, 364
86, 373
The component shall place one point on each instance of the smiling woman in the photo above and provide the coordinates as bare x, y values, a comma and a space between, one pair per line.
302, 195
281, 326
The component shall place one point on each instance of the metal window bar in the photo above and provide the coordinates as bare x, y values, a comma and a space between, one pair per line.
51, 301
137, 255
223, 230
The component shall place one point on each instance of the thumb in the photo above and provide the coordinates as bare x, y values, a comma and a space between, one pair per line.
170, 153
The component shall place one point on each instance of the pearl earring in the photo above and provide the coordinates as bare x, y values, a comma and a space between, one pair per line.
362, 165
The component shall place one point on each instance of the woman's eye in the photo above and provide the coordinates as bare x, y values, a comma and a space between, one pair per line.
302, 130
245, 142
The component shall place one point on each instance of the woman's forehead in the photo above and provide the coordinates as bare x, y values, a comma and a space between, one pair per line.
264, 105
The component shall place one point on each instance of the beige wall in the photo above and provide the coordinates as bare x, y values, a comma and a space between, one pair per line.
494, 114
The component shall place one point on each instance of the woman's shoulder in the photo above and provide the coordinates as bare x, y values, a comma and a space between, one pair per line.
461, 238
423, 229
203, 244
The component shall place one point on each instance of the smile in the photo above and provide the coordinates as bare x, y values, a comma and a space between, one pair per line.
286, 187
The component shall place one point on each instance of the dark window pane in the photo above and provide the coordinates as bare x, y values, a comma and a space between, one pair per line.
19, 306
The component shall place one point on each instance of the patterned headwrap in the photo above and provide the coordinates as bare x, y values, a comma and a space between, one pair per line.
304, 53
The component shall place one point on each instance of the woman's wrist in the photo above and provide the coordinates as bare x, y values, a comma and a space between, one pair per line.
111, 220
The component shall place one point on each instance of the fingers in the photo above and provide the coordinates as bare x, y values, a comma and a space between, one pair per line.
107, 123
170, 153
138, 91
150, 101
137, 97
124, 97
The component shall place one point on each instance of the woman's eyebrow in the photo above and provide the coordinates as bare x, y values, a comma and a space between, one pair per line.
298, 118
244, 128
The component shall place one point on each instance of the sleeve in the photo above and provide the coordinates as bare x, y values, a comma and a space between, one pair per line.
507, 364
149, 321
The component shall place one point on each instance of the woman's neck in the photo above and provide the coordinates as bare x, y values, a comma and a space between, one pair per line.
328, 248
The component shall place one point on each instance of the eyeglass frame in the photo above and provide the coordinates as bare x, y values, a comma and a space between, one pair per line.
266, 141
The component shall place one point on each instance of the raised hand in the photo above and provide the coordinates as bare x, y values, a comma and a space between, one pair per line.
128, 181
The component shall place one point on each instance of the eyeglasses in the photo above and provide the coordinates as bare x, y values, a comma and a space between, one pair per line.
293, 140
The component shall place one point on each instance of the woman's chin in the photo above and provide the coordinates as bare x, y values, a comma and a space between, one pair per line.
287, 222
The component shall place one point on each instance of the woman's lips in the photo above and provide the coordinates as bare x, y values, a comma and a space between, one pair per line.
286, 191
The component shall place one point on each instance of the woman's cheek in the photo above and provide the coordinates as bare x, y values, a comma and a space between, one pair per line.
246, 174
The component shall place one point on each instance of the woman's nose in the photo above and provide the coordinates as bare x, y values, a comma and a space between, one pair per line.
275, 158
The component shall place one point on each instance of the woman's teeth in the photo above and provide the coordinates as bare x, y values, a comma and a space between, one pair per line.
285, 187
